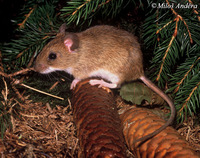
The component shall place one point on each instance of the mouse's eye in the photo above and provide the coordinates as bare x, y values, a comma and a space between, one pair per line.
52, 56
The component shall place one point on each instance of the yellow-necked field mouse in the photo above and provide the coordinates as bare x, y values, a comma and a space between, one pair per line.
100, 51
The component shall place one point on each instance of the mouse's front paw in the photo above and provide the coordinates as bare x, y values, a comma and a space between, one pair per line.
74, 82
102, 83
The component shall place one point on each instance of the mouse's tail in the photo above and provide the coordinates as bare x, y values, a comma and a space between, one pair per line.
152, 86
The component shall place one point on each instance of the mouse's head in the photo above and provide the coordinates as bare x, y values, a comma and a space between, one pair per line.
58, 53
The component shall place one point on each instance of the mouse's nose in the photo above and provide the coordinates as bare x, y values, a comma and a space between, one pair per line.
39, 67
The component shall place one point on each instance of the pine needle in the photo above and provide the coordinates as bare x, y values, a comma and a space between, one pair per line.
22, 84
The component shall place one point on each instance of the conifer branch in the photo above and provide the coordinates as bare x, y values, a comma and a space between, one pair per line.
79, 7
21, 25
194, 10
180, 17
185, 104
79, 11
164, 26
169, 46
186, 74
35, 31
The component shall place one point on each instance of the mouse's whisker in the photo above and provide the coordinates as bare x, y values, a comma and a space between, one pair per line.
64, 76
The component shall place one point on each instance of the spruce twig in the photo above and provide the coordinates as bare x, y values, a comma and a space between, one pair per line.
180, 17
21, 25
186, 74
169, 46
194, 10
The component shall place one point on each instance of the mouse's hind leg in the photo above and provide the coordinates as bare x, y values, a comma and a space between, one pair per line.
102, 83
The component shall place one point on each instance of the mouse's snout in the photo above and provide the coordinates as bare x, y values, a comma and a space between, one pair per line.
39, 67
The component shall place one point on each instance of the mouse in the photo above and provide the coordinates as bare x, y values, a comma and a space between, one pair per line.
100, 51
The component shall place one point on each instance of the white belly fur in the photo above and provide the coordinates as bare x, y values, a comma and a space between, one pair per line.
106, 75
69, 70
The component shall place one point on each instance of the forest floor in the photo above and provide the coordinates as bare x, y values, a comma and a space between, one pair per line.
42, 131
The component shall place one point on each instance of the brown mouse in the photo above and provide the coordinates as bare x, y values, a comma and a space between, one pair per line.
100, 51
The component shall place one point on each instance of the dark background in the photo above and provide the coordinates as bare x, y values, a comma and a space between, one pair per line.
9, 9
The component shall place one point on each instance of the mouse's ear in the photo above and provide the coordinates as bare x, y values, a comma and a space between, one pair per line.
62, 28
71, 42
